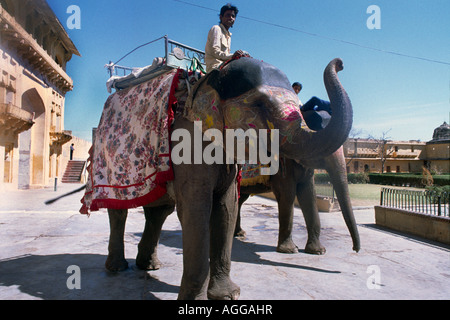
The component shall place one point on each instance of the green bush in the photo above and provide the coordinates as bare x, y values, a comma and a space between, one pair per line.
392, 179
439, 189
407, 179
321, 178
358, 178
354, 178
442, 180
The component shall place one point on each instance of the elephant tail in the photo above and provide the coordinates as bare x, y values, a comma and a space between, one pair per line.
48, 202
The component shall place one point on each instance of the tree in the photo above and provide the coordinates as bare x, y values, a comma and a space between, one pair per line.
354, 134
380, 147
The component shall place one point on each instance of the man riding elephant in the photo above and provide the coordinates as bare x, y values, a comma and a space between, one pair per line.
218, 43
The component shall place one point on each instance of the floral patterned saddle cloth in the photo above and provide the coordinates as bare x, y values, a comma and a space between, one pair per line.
130, 157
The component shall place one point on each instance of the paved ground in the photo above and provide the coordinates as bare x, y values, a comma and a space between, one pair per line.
39, 243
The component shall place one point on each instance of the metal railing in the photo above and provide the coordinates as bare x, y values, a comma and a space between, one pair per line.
116, 70
184, 52
428, 202
176, 55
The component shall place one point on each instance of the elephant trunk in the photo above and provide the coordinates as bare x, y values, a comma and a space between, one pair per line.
336, 168
308, 145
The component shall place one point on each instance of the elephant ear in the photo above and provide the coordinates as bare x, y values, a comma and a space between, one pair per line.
204, 103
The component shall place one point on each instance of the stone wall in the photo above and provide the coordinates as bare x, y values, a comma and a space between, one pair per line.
430, 227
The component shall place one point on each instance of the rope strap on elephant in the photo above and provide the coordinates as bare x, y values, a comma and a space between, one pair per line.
130, 158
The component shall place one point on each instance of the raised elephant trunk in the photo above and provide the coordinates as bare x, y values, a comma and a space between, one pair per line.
308, 145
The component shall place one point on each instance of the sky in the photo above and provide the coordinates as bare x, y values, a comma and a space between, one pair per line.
397, 76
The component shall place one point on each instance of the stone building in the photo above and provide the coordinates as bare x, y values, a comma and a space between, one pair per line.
370, 155
34, 51
438, 150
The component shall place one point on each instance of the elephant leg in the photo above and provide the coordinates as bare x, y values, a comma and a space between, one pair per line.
285, 195
306, 196
223, 222
194, 210
194, 187
116, 250
147, 258
238, 231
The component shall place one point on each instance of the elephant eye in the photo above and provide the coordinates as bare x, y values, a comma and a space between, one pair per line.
262, 102
259, 104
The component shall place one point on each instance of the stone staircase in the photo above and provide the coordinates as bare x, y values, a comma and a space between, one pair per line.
73, 172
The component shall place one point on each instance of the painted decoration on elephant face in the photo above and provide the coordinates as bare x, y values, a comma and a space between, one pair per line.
244, 111
290, 118
240, 112
205, 108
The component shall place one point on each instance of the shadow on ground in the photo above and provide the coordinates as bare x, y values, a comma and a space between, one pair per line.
46, 277
243, 251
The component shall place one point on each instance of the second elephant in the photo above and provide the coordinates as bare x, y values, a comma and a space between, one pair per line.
297, 180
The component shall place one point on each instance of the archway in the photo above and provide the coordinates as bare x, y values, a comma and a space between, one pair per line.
32, 142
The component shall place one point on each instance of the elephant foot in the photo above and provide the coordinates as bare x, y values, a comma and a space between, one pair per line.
315, 248
287, 247
116, 264
148, 264
240, 233
223, 289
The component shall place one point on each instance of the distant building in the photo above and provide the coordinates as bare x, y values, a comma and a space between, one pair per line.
371, 155
34, 51
437, 156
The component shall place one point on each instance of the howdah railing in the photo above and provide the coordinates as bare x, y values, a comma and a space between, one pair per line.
428, 202
177, 55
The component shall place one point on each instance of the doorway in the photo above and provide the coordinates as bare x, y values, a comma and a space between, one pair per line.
32, 143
